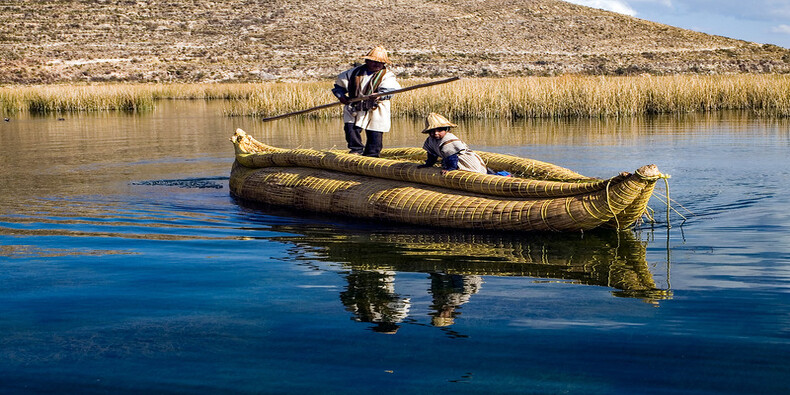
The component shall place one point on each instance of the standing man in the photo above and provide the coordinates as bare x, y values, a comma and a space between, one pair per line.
372, 116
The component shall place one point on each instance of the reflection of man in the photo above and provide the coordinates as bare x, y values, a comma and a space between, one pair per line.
371, 296
449, 292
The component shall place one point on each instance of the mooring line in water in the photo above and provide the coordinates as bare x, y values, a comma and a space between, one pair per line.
675, 202
668, 202
666, 182
659, 197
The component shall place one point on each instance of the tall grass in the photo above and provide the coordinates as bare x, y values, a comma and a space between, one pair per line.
111, 97
577, 96
550, 97
280, 98
528, 97
61, 98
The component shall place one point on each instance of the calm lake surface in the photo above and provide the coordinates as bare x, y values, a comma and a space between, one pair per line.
126, 267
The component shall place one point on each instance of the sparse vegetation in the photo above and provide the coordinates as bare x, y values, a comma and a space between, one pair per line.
55, 41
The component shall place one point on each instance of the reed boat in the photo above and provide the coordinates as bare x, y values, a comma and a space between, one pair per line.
539, 196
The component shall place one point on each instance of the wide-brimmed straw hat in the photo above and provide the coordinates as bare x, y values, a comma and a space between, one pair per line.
434, 120
378, 54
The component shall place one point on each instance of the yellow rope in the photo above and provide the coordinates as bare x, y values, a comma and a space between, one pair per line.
666, 182
678, 204
666, 178
569, 211
657, 196
649, 215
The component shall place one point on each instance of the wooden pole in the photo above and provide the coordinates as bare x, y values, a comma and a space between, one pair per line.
361, 98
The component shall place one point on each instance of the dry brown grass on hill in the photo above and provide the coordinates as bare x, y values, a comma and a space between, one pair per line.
45, 41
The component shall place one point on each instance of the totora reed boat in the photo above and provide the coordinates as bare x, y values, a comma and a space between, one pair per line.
538, 197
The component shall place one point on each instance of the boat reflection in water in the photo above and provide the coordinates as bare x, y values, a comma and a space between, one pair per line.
457, 262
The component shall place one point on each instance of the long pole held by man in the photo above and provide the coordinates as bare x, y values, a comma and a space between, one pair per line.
365, 92
373, 96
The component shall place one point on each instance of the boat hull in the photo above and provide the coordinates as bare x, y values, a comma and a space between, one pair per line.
352, 195
541, 197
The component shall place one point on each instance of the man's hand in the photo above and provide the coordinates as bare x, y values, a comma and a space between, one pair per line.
370, 104
343, 99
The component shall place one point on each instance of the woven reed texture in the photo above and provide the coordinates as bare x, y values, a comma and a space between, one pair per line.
266, 156
519, 167
409, 172
359, 196
458, 199
633, 213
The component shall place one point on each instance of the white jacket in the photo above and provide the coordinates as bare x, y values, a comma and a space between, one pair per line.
377, 119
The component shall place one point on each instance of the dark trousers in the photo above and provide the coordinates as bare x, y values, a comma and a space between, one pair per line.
374, 140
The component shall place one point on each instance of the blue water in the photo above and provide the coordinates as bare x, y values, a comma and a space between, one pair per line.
128, 268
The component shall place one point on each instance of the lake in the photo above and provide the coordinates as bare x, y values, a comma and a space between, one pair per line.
127, 267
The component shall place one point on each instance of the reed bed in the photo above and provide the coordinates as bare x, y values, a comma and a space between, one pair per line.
280, 98
594, 97
112, 97
509, 98
61, 98
550, 97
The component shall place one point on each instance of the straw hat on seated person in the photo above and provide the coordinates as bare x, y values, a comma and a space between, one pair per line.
435, 121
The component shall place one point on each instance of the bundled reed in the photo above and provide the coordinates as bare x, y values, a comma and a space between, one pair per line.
384, 189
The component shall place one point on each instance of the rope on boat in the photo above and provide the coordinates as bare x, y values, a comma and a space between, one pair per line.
666, 178
609, 204
649, 213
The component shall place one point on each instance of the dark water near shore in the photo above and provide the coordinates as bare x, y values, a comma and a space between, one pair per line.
126, 267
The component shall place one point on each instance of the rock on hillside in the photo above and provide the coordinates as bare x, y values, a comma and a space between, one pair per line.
44, 41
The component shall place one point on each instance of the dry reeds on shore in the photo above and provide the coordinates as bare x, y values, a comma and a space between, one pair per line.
111, 97
524, 97
69, 98
551, 97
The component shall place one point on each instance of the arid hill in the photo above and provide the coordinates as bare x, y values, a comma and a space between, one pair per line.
46, 41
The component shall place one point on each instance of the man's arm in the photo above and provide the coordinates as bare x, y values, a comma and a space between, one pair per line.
429, 161
341, 93
450, 163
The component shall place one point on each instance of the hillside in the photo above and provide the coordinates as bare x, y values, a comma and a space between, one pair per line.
45, 41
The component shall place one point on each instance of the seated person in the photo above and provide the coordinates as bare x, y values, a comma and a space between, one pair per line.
455, 154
